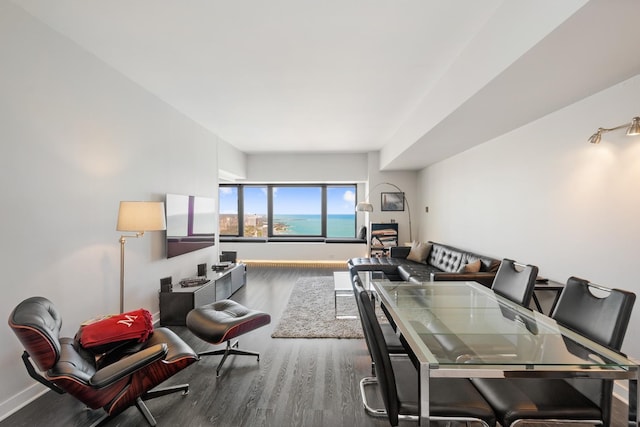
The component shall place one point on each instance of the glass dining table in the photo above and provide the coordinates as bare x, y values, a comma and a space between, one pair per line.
465, 330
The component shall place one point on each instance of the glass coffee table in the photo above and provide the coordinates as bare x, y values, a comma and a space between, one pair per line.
342, 287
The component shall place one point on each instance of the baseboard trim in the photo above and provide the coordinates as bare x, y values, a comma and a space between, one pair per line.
21, 399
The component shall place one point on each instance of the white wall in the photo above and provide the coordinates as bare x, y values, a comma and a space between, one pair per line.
77, 138
543, 195
312, 168
378, 182
232, 163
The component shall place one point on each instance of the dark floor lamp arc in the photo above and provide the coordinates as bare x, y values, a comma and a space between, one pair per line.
366, 206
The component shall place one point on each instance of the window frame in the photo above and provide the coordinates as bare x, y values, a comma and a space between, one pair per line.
270, 230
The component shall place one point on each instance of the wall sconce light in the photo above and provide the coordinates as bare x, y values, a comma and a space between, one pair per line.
633, 129
366, 206
137, 217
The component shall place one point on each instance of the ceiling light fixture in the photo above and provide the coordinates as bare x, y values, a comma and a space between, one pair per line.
633, 129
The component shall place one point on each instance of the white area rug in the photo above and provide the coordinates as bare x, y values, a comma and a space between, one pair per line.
310, 312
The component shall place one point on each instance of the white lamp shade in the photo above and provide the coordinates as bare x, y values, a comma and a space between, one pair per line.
141, 216
364, 207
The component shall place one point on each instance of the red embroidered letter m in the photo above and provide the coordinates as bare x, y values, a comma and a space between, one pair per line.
128, 321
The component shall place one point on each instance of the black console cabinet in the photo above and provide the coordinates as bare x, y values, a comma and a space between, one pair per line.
175, 305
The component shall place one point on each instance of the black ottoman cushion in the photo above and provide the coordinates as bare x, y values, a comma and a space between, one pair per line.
224, 320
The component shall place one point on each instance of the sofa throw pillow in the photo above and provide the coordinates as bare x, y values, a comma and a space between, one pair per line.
419, 252
472, 267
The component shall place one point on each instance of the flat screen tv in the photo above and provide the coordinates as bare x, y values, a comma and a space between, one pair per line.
191, 223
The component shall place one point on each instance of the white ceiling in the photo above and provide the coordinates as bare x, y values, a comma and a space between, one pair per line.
359, 75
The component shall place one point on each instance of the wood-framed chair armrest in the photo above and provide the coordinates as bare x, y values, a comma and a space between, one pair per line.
127, 365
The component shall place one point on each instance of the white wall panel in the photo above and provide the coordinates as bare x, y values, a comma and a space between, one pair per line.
543, 195
77, 138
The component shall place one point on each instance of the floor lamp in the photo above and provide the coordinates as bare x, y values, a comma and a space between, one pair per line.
366, 206
137, 217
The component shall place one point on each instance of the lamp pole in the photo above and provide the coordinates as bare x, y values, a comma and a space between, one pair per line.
123, 240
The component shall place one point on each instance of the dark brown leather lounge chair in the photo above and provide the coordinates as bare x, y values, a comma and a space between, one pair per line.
603, 319
124, 378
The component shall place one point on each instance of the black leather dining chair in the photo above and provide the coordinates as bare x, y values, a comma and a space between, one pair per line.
388, 331
515, 281
394, 345
450, 399
601, 318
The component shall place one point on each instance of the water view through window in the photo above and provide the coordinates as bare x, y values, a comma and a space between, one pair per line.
341, 207
297, 210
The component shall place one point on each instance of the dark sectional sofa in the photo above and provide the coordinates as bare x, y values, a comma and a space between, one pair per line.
442, 263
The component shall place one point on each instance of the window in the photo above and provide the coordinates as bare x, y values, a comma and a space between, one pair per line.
255, 211
228, 216
288, 210
341, 206
297, 211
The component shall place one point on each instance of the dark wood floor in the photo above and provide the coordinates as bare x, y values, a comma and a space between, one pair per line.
298, 382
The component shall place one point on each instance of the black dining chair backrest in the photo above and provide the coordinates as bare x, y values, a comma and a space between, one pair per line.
357, 288
602, 315
602, 318
515, 281
595, 312
394, 345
